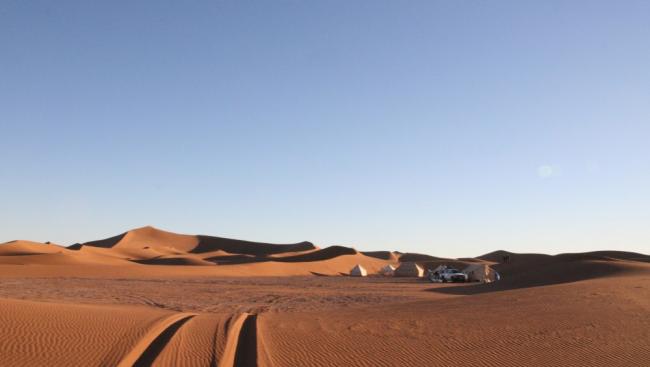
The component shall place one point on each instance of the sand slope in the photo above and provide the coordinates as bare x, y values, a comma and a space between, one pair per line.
34, 253
600, 322
21, 248
139, 250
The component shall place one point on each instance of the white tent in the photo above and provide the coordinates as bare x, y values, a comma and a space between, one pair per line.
480, 273
358, 271
387, 270
409, 269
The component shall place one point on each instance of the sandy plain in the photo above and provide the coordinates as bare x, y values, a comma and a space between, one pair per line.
150, 297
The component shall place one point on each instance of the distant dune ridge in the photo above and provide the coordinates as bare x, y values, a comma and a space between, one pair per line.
18, 248
223, 256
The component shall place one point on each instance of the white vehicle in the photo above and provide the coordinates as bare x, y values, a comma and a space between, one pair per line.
452, 275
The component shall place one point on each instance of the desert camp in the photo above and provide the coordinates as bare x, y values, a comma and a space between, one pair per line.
114, 293
325, 183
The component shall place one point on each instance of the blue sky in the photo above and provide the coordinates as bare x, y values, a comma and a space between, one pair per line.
445, 127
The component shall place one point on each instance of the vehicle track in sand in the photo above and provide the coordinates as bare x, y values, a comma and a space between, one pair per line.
167, 342
241, 344
246, 352
154, 341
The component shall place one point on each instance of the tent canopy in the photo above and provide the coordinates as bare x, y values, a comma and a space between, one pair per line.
480, 273
358, 271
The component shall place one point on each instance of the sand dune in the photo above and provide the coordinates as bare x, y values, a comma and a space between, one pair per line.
147, 242
145, 248
209, 243
383, 255
59, 258
609, 255
19, 248
175, 260
151, 297
34, 253
525, 270
328, 265
412, 257
319, 255
149, 247
327, 253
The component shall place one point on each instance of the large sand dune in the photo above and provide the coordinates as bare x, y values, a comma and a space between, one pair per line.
141, 249
151, 297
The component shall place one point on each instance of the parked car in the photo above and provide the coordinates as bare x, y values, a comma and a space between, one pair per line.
452, 275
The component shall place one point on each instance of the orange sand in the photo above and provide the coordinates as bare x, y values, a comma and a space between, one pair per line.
150, 297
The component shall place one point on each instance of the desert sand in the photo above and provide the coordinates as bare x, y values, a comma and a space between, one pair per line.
151, 297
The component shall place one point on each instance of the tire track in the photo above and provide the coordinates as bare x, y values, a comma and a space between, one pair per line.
148, 348
241, 345
246, 353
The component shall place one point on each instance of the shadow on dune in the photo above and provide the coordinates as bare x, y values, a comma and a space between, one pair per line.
382, 255
468, 260
524, 272
75, 247
319, 274
172, 261
209, 243
318, 255
413, 257
105, 243
237, 259
28, 253
324, 254
607, 255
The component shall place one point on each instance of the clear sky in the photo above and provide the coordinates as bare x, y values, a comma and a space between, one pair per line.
452, 128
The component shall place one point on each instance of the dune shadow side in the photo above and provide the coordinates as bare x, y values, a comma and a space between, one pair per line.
169, 261
237, 259
105, 243
29, 253
318, 255
414, 257
209, 243
382, 255
542, 275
